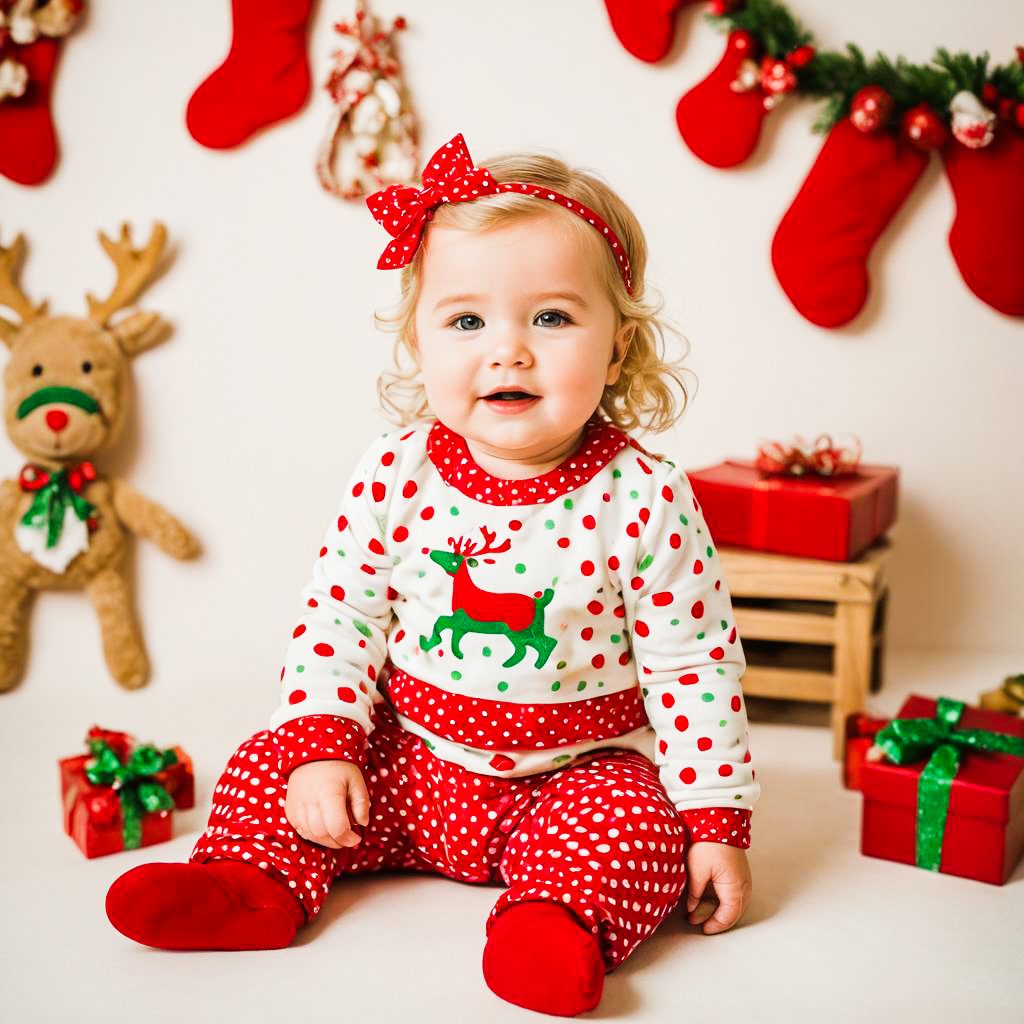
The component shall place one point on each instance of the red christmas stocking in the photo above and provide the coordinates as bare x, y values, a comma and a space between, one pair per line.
821, 247
718, 121
28, 142
987, 237
265, 77
645, 27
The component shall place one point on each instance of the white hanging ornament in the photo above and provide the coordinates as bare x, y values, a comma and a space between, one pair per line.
371, 110
13, 78
973, 123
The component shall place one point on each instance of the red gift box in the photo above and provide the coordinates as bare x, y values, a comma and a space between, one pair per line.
92, 813
861, 731
984, 834
812, 516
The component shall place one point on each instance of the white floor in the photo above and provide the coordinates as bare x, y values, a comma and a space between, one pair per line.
831, 936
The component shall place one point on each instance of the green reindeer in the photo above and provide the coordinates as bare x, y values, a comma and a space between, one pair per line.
518, 616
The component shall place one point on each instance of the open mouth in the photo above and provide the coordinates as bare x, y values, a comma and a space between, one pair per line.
510, 401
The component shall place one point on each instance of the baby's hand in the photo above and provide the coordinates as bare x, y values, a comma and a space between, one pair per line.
725, 870
324, 799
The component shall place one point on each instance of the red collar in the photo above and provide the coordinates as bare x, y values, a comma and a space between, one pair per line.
451, 458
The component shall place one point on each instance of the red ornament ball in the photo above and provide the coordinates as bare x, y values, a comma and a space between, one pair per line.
801, 57
924, 129
742, 41
870, 108
1020, 115
989, 94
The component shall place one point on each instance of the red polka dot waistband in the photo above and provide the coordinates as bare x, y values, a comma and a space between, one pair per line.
503, 725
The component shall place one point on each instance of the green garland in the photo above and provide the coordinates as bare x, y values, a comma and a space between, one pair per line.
838, 77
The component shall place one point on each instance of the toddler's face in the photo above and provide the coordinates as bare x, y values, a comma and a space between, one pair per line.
517, 339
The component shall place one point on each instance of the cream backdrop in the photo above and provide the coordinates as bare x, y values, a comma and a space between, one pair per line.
249, 419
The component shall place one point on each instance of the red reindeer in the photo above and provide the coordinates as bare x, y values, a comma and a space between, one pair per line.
518, 616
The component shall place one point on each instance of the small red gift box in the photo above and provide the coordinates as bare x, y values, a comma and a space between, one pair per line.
861, 731
984, 830
93, 814
811, 516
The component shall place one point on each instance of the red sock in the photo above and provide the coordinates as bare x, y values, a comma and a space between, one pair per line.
719, 123
265, 77
28, 142
853, 190
540, 957
220, 905
987, 237
645, 27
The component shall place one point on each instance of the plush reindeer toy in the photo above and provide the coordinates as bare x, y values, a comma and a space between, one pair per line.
62, 526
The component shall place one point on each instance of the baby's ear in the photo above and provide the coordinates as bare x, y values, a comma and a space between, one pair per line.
620, 346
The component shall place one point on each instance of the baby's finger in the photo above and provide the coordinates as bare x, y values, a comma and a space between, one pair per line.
359, 799
336, 823
318, 830
730, 906
696, 883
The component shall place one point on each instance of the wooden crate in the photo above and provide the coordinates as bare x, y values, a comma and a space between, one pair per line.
811, 630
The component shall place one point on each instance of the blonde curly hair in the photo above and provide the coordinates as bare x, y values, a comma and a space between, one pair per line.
644, 396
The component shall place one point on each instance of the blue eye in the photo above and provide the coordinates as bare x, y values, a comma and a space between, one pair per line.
552, 318
467, 322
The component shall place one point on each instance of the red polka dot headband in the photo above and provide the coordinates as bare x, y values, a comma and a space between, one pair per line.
450, 177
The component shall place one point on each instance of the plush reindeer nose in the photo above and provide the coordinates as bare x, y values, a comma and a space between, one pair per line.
56, 420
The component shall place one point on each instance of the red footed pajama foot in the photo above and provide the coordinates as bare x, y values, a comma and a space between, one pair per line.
987, 236
264, 79
719, 120
540, 957
645, 27
219, 905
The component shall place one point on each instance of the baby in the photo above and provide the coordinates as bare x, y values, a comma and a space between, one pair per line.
516, 662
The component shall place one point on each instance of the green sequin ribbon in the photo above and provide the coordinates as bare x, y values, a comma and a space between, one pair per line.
138, 794
49, 503
905, 740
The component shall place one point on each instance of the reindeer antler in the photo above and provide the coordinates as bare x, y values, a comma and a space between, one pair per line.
489, 536
135, 267
11, 294
461, 546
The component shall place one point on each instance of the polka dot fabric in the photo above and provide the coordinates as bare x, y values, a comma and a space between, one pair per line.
599, 838
519, 631
450, 456
450, 177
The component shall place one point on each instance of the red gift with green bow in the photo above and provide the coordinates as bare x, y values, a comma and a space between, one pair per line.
121, 794
948, 794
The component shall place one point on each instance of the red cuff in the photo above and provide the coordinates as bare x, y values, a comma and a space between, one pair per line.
319, 738
729, 825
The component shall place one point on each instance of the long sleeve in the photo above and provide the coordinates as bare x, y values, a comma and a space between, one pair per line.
690, 660
339, 643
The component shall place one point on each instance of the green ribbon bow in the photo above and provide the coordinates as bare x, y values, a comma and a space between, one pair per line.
137, 795
905, 740
49, 503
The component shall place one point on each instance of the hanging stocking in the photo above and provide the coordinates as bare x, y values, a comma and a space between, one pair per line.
720, 118
645, 27
29, 48
264, 79
987, 236
371, 140
820, 250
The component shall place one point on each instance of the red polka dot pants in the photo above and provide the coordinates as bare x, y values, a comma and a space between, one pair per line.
600, 838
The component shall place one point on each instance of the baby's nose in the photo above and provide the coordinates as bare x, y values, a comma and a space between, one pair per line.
56, 420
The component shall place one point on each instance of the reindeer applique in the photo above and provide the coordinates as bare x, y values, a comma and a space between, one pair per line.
517, 616
62, 526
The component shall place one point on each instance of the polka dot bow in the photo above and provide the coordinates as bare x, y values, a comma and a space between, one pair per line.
450, 177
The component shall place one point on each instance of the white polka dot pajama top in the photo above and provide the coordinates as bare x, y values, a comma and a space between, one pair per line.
507, 621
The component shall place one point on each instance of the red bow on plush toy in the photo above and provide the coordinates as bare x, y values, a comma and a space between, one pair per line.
823, 458
450, 177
